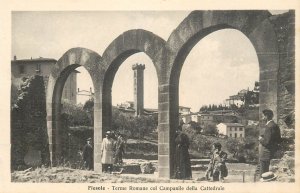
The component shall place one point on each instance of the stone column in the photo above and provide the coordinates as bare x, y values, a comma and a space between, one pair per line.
138, 82
97, 135
165, 133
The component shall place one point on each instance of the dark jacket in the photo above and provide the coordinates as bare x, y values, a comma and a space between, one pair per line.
271, 138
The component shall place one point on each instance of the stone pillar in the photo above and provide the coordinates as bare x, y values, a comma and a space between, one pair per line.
97, 136
138, 82
56, 134
164, 133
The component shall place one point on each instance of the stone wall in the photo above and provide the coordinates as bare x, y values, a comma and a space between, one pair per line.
28, 125
284, 26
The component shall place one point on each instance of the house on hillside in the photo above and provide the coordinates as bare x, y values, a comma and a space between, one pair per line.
206, 119
184, 110
195, 117
235, 130
185, 114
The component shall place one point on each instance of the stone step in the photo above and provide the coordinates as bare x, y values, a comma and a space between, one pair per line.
199, 161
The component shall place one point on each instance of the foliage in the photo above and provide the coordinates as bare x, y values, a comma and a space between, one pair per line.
14, 95
235, 146
243, 149
130, 125
196, 126
210, 130
76, 115
199, 142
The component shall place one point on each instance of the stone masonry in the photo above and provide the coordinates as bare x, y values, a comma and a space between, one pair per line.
263, 30
138, 81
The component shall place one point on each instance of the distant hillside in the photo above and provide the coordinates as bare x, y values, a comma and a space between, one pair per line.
252, 114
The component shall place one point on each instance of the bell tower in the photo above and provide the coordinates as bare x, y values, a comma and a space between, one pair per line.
138, 81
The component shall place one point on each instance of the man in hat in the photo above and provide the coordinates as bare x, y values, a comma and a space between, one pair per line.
88, 155
107, 152
268, 141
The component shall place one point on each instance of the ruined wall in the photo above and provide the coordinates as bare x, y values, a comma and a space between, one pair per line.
28, 125
284, 26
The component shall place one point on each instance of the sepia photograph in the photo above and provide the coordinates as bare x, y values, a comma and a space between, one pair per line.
153, 100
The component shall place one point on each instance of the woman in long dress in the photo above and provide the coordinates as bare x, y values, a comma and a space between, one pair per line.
107, 152
182, 158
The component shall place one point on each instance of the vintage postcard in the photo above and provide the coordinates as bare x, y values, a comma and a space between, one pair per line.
158, 97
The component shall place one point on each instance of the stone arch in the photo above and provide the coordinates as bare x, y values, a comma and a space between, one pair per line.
125, 45
72, 59
254, 24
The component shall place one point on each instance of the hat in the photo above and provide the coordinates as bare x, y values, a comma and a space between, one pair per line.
108, 133
89, 139
268, 176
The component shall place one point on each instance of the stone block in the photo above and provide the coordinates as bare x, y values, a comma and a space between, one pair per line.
268, 98
97, 157
273, 85
267, 74
263, 86
163, 172
98, 167
163, 97
132, 169
163, 160
147, 168
97, 147
163, 117
163, 149
163, 107
163, 137
268, 60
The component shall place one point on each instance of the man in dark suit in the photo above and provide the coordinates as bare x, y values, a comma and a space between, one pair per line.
88, 155
268, 141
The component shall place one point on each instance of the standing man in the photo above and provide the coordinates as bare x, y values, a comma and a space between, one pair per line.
268, 141
88, 154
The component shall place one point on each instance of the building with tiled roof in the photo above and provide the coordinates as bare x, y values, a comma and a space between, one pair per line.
21, 68
235, 130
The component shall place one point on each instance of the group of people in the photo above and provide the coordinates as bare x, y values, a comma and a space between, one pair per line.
113, 148
216, 169
269, 140
112, 151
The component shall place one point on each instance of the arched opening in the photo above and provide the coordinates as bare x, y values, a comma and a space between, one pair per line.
219, 97
77, 116
72, 119
134, 106
260, 32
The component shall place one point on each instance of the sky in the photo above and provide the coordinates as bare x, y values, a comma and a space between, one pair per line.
219, 65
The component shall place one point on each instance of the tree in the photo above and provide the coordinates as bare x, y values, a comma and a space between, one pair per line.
75, 115
210, 130
235, 146
196, 126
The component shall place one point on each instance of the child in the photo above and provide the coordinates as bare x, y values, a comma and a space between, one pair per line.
217, 168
